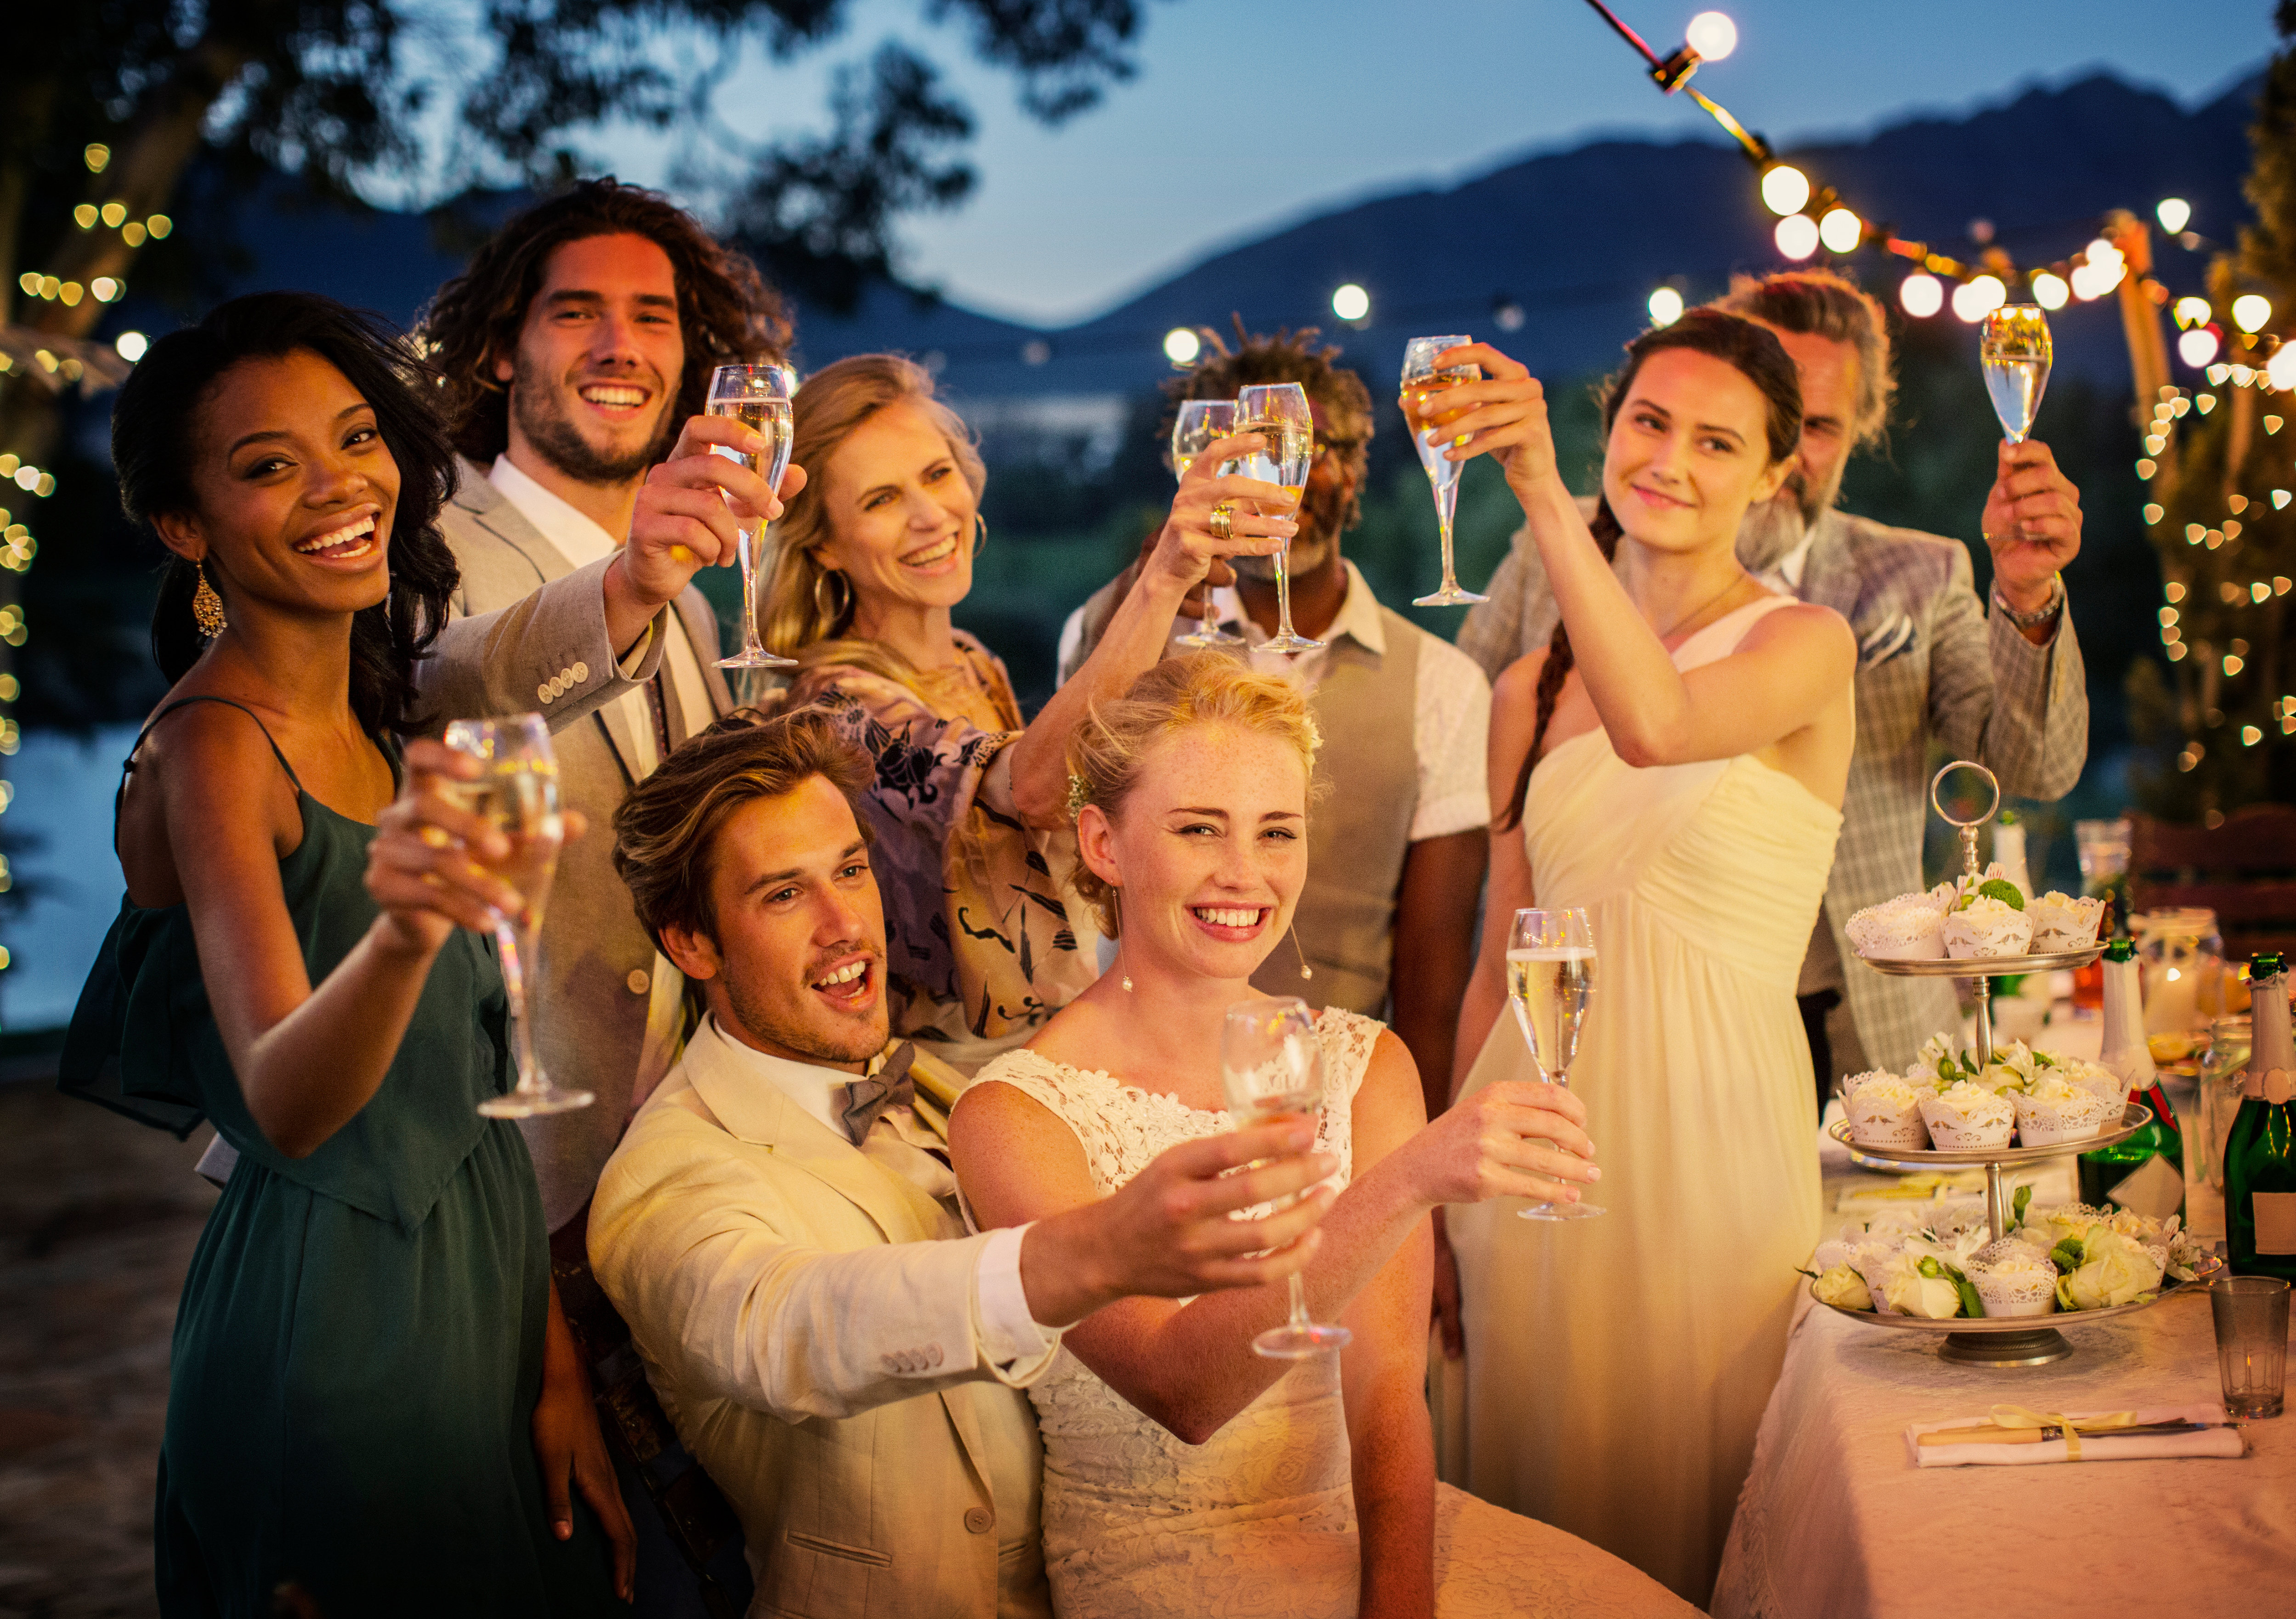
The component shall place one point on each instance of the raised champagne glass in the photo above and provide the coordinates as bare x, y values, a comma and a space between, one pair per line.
2014, 350
1198, 423
1278, 413
1424, 383
758, 397
1272, 1066
516, 793
1550, 963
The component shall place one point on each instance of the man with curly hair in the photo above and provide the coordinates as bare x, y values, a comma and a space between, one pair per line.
1397, 852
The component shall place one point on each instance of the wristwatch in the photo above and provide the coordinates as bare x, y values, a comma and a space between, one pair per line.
2040, 615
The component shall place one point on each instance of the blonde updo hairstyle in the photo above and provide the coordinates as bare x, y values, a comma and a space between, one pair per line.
829, 408
1109, 749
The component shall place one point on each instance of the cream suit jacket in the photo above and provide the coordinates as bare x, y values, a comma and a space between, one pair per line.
806, 1318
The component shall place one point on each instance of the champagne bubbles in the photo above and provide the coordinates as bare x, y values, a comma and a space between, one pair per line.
131, 346
1712, 36
1785, 190
2173, 213
1181, 346
2197, 347
1840, 230
1921, 294
1666, 303
1797, 235
2251, 312
2050, 291
2192, 312
1973, 300
1351, 302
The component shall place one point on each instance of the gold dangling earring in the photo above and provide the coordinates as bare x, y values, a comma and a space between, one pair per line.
980, 534
1115, 905
829, 620
207, 606
1305, 972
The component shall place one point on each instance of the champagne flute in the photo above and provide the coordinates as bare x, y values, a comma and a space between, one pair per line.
517, 795
1422, 383
758, 397
1272, 1064
1550, 963
1198, 423
1278, 413
2014, 350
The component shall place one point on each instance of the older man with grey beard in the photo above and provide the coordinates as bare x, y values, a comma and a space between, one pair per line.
2006, 688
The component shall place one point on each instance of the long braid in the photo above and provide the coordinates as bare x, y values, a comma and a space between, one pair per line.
1560, 658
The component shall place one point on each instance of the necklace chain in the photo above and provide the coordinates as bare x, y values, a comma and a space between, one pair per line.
1676, 627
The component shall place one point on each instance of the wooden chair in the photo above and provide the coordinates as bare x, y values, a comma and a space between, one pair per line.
2244, 869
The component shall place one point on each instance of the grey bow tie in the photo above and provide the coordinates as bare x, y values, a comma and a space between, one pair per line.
889, 1087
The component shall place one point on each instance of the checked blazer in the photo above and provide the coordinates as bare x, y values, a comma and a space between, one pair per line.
1937, 676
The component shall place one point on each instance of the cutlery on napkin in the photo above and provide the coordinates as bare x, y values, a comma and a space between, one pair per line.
2016, 1438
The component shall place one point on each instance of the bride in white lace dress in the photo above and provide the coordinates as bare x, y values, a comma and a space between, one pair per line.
1184, 1475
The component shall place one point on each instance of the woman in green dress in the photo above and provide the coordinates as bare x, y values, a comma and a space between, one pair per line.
374, 1397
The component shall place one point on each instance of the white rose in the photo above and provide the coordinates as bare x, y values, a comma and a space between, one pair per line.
1905, 1290
2113, 1271
1841, 1287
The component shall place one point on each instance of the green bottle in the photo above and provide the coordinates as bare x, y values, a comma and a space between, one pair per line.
2146, 1171
2259, 1157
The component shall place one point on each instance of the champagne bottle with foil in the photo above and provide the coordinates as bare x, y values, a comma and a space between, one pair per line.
2146, 1171
2260, 1156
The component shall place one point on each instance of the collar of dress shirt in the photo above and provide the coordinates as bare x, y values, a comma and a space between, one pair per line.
820, 1091
569, 528
1788, 570
1358, 612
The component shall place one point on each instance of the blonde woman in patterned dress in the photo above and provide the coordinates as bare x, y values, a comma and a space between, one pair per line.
1184, 1475
969, 809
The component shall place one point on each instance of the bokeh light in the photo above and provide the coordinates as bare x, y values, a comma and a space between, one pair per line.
2251, 312
1973, 300
1665, 307
2050, 291
2281, 373
2173, 213
2192, 312
1711, 35
2197, 347
1840, 230
1921, 294
1351, 302
1181, 346
1785, 189
1797, 235
131, 346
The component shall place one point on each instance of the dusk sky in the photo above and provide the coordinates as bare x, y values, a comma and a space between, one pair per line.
1243, 116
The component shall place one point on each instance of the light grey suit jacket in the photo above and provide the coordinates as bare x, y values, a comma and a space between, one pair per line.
1933, 668
530, 636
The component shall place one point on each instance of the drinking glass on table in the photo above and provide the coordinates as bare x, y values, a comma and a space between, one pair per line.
1272, 1064
1198, 425
758, 397
2014, 350
1550, 965
1278, 413
1423, 386
516, 793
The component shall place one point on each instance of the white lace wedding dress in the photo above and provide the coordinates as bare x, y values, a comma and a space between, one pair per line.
1259, 1522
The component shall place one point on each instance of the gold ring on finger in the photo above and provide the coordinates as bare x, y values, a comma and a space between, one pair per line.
434, 836
1223, 523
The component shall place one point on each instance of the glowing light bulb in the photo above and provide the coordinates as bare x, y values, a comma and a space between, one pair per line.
2192, 311
1921, 294
2281, 373
1797, 235
2197, 347
1351, 302
2050, 291
1711, 35
1181, 346
2173, 213
131, 346
1666, 303
1973, 300
1784, 189
1840, 230
2251, 312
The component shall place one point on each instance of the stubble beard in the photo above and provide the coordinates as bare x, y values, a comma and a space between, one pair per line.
828, 1042
540, 413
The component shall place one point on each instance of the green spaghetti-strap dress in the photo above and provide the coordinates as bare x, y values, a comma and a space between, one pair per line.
359, 1345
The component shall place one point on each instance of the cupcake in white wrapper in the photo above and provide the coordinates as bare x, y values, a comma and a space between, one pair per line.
2014, 1279
1903, 929
1985, 926
2097, 1079
2055, 1110
2062, 923
1884, 1111
1968, 1118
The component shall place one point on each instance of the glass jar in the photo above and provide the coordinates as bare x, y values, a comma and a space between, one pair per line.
2222, 1072
2182, 955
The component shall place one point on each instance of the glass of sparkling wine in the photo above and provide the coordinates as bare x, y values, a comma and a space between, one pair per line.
517, 794
1198, 423
1272, 1064
1278, 413
1551, 982
1423, 385
758, 397
2014, 350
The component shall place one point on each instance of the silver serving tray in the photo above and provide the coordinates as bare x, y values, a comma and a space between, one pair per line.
2204, 1273
2134, 1116
1981, 967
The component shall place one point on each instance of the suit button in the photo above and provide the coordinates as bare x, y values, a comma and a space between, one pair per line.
580, 671
892, 1361
638, 981
980, 1520
543, 693
932, 1355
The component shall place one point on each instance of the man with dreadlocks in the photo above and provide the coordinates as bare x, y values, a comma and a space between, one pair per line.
1396, 861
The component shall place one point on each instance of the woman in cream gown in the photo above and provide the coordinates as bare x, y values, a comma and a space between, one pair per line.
1183, 1475
1687, 794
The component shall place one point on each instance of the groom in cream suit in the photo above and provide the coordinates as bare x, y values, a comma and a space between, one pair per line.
781, 1228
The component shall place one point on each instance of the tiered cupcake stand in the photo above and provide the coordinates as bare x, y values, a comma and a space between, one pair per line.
2004, 1341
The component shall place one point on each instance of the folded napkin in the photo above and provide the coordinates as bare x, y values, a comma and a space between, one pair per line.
2095, 1445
